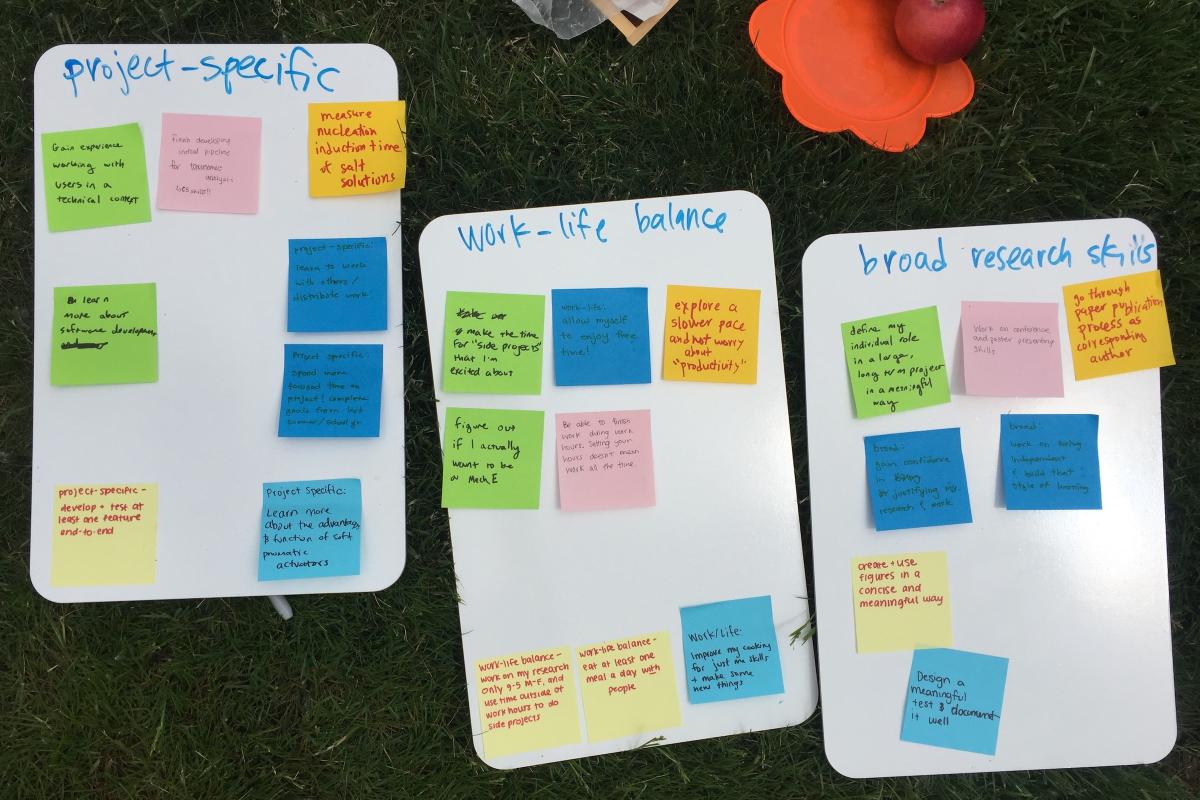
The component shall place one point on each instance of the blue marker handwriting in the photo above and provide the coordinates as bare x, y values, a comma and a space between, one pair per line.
681, 218
574, 225
582, 225
1106, 252
903, 261
297, 69
1137, 251
1017, 257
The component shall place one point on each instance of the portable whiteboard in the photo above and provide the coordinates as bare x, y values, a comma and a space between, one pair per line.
205, 432
1076, 600
725, 524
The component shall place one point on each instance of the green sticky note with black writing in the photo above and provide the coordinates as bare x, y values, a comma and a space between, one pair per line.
492, 458
104, 334
493, 343
95, 177
896, 362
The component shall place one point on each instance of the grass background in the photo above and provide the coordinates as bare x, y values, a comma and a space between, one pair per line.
1084, 108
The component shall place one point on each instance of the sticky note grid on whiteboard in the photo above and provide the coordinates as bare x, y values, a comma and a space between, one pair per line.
1038, 531
178, 257
679, 467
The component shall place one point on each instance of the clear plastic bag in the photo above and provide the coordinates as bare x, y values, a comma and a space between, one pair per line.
567, 18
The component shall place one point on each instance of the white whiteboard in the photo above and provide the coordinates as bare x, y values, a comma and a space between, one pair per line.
726, 523
1076, 600
205, 432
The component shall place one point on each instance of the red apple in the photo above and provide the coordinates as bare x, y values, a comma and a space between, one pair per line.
939, 31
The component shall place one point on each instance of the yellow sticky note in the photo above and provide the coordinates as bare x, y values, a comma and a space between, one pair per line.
901, 602
104, 534
527, 702
355, 148
1118, 325
628, 687
711, 335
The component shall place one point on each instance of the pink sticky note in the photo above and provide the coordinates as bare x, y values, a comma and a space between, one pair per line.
604, 460
1012, 349
209, 163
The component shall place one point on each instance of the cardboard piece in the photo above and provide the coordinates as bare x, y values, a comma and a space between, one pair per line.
632, 28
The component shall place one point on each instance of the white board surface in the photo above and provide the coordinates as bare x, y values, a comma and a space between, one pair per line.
205, 432
726, 523
1076, 600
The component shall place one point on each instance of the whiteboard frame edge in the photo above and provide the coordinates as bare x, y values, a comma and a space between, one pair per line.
50, 593
806, 711
1172, 738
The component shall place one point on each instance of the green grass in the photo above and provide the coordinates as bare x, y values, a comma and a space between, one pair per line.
1084, 108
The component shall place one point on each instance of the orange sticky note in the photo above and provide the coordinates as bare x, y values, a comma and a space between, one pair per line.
527, 702
355, 148
711, 335
1118, 325
628, 687
104, 535
901, 602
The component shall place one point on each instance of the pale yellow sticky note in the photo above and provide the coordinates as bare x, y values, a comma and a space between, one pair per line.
355, 148
901, 602
628, 687
104, 534
1118, 325
527, 702
711, 335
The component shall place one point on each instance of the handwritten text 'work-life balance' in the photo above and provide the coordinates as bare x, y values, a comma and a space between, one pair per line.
585, 227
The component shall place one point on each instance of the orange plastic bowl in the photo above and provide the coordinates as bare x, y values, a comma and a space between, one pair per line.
843, 69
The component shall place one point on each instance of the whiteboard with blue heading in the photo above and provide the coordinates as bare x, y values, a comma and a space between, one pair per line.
206, 431
724, 527
1076, 600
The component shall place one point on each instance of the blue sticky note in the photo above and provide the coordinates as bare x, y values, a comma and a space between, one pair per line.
310, 529
1050, 461
331, 390
601, 336
917, 479
337, 284
954, 700
729, 650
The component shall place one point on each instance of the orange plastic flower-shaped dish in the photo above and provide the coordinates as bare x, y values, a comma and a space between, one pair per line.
843, 69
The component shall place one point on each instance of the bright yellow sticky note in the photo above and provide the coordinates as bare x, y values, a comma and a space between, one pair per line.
711, 335
104, 534
628, 687
1118, 325
355, 148
527, 702
901, 602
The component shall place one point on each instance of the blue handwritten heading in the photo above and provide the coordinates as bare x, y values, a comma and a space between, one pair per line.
581, 225
297, 70
1012, 257
577, 224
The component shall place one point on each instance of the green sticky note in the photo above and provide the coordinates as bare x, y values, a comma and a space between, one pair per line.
492, 458
896, 362
104, 334
95, 177
493, 343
